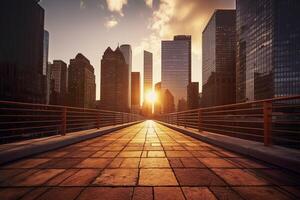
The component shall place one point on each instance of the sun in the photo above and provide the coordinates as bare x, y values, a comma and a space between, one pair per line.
150, 97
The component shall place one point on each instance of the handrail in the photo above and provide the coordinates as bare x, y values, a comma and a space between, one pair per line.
28, 120
253, 118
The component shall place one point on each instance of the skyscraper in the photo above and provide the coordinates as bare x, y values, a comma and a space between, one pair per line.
168, 103
148, 81
21, 51
135, 92
158, 102
176, 67
46, 71
59, 77
114, 81
268, 50
81, 83
193, 95
127, 53
218, 60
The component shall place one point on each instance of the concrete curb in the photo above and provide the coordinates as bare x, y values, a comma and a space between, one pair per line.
276, 155
53, 143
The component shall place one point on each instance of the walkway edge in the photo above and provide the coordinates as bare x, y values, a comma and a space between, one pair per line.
56, 142
279, 156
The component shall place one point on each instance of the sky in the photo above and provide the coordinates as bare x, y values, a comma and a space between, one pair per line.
90, 26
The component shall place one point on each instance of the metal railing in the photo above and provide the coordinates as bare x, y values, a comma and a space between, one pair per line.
271, 121
20, 121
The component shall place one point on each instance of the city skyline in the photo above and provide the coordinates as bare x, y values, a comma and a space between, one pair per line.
93, 24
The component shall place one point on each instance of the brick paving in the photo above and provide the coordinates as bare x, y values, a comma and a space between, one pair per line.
144, 162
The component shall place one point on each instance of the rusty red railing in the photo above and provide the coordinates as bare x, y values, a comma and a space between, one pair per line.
271, 121
20, 121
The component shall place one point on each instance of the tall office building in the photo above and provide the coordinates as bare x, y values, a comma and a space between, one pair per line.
268, 50
127, 53
148, 81
81, 83
193, 96
176, 67
158, 102
21, 51
168, 102
135, 92
59, 77
114, 81
46, 71
218, 60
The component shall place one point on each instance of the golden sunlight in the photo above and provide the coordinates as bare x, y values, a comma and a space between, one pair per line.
150, 97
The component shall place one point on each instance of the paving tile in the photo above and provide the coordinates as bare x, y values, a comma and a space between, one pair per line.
7, 173
191, 163
29, 163
168, 193
61, 193
156, 154
217, 163
225, 193
79, 154
178, 154
117, 177
130, 163
237, 177
12, 193
94, 163
106, 193
279, 177
198, 193
98, 154
65, 163
204, 154
154, 163
197, 177
53, 154
35, 193
61, 177
295, 191
116, 163
175, 162
130, 154
82, 178
110, 154
258, 193
157, 177
38, 178
247, 163
142, 193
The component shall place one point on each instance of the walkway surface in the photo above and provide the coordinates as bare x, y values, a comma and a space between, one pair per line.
145, 161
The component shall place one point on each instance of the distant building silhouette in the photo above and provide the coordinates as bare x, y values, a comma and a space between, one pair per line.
158, 102
193, 95
81, 83
218, 50
46, 70
268, 50
21, 51
182, 105
168, 102
148, 81
59, 75
127, 53
114, 81
176, 66
135, 92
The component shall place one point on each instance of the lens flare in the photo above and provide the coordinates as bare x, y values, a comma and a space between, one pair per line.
150, 97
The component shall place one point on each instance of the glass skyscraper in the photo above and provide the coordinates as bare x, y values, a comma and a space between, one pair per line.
127, 53
268, 49
176, 67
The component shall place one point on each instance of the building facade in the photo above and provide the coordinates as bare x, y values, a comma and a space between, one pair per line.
193, 95
21, 51
127, 53
176, 67
59, 80
135, 92
148, 81
114, 81
168, 102
268, 50
81, 83
158, 102
46, 71
218, 60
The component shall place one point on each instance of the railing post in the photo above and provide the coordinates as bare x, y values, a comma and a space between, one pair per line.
185, 120
199, 121
267, 109
63, 121
177, 120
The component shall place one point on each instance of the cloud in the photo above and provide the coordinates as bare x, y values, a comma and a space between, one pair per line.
111, 23
82, 4
149, 3
116, 6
